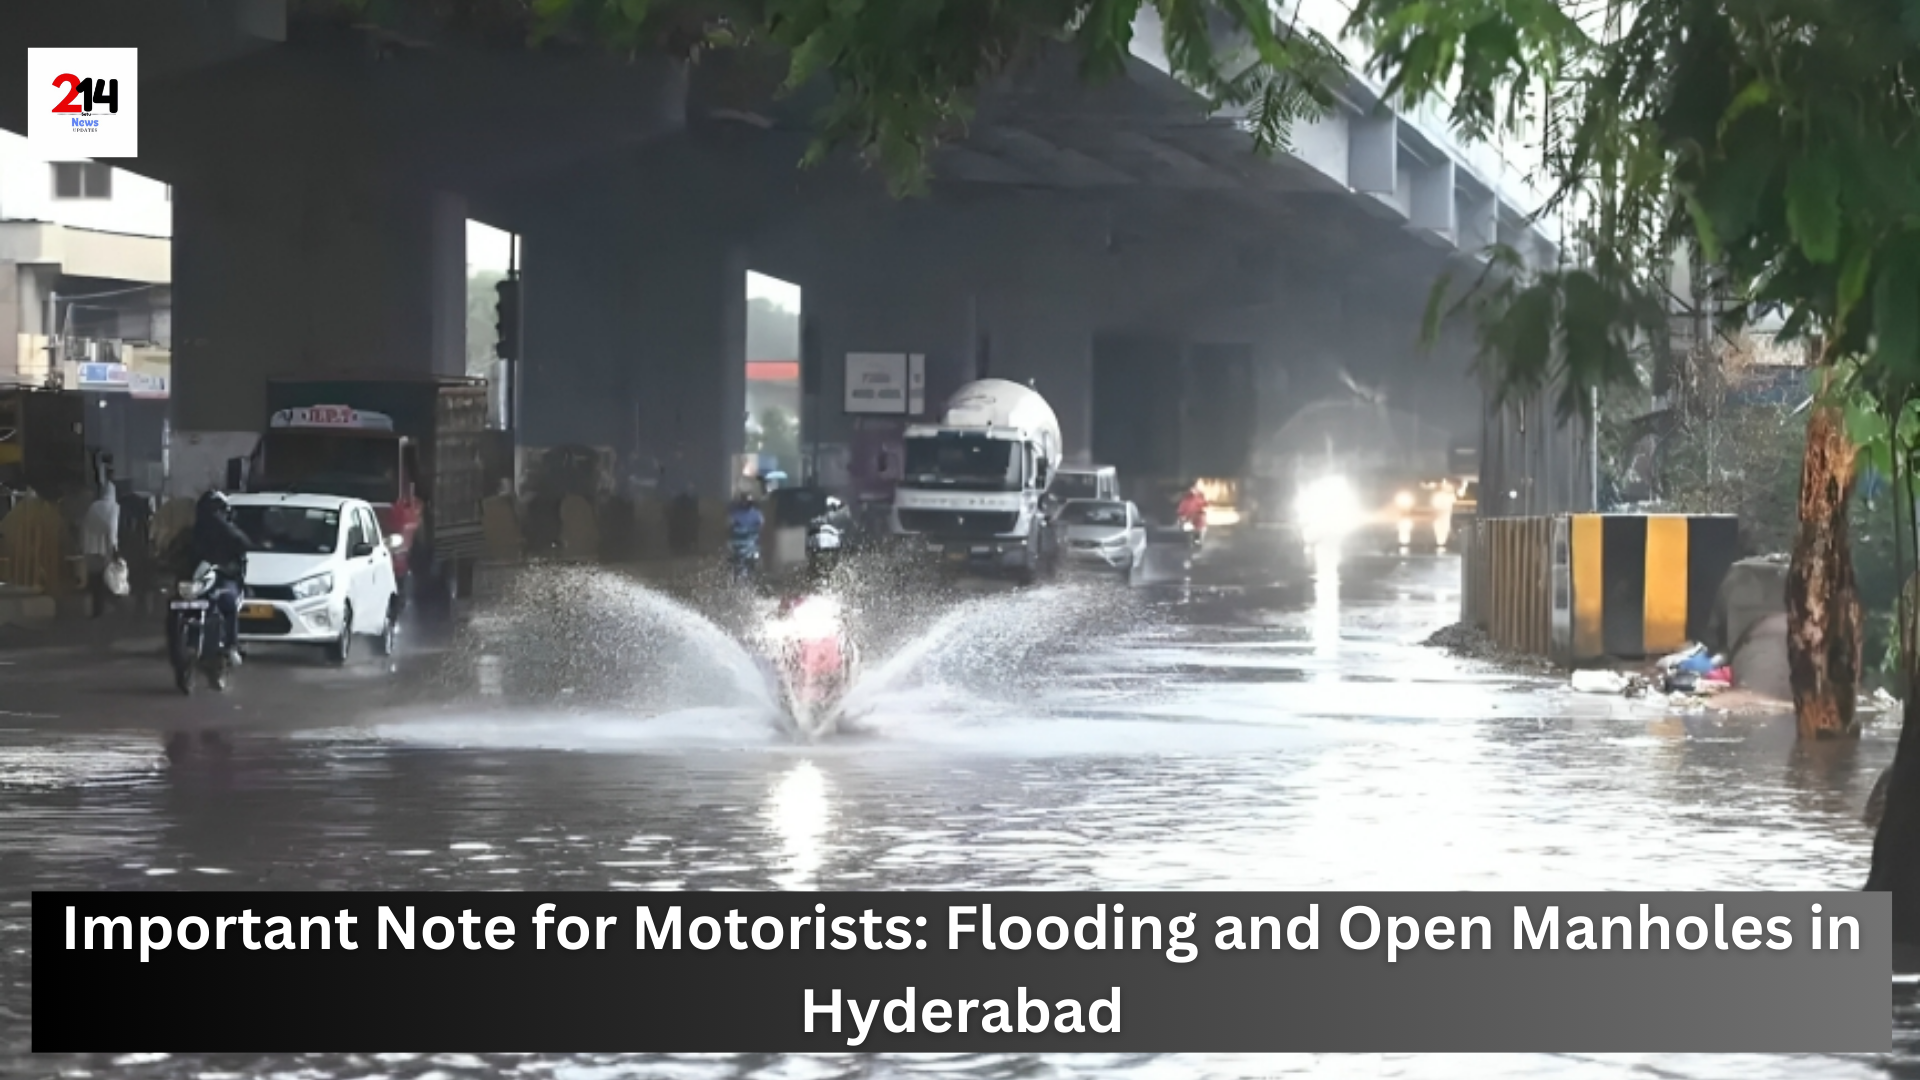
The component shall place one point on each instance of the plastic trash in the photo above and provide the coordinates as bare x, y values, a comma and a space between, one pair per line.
1600, 682
1675, 660
1697, 664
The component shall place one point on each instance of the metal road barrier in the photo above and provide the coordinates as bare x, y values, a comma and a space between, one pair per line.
1506, 588
1583, 587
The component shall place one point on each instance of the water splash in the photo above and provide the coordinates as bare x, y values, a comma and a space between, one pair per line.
985, 651
586, 636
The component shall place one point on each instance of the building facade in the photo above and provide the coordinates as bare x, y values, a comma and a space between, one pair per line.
86, 299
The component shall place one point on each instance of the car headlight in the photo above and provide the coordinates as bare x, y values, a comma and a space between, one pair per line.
1113, 541
1442, 499
317, 585
1404, 500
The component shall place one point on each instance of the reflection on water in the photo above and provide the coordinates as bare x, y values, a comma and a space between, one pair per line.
801, 813
1285, 740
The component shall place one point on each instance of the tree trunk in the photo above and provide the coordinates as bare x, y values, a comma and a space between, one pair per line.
1896, 845
1823, 611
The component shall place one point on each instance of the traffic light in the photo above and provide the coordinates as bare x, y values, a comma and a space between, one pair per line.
507, 319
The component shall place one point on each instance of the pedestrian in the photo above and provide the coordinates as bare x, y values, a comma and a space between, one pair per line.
100, 543
138, 551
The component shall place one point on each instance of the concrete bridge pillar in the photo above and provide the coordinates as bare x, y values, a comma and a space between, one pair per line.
291, 271
636, 340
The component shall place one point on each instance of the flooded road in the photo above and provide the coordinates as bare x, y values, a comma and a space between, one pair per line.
1270, 726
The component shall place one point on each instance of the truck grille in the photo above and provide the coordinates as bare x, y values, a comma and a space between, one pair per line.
959, 522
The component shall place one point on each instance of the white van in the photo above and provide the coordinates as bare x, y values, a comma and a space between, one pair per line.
1100, 482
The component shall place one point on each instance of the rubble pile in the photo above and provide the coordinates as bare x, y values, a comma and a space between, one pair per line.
1472, 643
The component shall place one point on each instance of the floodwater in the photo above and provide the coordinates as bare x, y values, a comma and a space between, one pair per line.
1269, 726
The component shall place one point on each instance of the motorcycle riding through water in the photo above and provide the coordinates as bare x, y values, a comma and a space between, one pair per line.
196, 631
744, 524
808, 647
1193, 517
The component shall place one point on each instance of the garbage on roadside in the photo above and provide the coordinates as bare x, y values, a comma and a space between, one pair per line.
1605, 681
1600, 681
1686, 675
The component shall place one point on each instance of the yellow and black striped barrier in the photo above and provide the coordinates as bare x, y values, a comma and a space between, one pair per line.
1582, 587
1644, 584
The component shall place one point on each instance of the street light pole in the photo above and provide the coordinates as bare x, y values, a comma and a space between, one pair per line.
53, 335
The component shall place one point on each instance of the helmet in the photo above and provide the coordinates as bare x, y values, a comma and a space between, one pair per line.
216, 502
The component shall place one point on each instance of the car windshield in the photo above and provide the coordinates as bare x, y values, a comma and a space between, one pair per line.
290, 530
1076, 485
1082, 512
950, 459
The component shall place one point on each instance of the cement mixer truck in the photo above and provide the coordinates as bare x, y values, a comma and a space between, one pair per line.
973, 486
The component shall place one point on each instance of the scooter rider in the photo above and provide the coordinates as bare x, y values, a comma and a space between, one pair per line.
219, 543
744, 523
1193, 511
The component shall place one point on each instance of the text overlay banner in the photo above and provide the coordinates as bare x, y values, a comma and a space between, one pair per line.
1100, 972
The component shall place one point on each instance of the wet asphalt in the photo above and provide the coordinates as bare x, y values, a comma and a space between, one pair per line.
1263, 720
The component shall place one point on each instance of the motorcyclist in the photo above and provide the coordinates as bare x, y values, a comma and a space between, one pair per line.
811, 643
1193, 509
221, 544
744, 523
827, 537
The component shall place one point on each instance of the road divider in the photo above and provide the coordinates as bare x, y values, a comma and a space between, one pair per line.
1578, 588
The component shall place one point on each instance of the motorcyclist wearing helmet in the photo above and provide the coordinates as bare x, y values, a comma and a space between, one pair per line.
221, 544
827, 537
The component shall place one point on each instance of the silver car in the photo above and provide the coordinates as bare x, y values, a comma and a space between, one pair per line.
1103, 533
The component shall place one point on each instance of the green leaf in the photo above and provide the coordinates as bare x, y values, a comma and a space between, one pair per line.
1756, 93
1853, 279
1703, 228
636, 11
1896, 316
1813, 206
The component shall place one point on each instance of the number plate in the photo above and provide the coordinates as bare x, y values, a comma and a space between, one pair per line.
257, 611
956, 554
189, 605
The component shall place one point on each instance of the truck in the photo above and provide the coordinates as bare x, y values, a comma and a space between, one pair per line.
414, 447
973, 486
43, 443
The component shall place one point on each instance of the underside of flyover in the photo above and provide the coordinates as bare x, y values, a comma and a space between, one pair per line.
323, 174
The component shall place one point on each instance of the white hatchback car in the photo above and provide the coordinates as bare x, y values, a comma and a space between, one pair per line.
1104, 533
320, 572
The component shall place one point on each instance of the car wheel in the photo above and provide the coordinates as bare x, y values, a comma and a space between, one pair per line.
342, 646
390, 630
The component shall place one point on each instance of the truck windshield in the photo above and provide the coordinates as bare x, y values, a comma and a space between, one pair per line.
969, 461
325, 463
290, 530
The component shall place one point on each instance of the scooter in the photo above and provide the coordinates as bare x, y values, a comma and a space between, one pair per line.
743, 559
191, 634
1196, 533
813, 661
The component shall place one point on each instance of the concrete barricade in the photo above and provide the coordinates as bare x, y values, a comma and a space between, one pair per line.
1584, 587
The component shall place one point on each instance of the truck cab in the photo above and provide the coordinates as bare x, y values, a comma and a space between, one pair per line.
972, 488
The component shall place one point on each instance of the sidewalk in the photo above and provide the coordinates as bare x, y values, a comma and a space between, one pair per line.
72, 631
